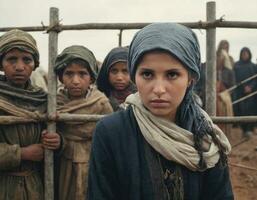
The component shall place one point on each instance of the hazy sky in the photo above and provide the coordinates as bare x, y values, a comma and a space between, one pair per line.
32, 13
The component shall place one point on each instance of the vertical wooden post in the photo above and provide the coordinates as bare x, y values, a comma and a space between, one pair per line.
210, 87
51, 106
120, 38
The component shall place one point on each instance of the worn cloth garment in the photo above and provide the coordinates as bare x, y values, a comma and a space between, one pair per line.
243, 70
117, 98
224, 107
21, 40
20, 179
76, 52
174, 143
225, 80
120, 168
77, 136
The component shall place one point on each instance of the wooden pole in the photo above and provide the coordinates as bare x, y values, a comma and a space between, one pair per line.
129, 26
51, 106
242, 166
234, 120
210, 88
120, 38
5, 120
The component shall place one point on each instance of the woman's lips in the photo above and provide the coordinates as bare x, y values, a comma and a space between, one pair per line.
159, 103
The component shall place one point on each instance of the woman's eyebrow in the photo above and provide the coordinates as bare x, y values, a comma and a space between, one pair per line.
145, 69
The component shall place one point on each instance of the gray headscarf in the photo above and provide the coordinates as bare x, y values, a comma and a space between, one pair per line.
176, 39
181, 42
76, 52
21, 40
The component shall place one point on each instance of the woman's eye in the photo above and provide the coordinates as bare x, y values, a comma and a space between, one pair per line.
147, 75
172, 75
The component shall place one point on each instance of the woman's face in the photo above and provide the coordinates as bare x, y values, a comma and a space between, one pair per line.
161, 81
118, 76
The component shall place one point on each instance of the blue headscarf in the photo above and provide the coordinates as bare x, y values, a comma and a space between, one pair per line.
182, 43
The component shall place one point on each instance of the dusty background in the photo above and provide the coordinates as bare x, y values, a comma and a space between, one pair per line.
244, 175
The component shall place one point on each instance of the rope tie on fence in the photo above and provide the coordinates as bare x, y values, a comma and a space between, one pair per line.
57, 27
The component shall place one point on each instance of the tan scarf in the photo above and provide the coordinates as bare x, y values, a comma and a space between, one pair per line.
173, 142
19, 112
65, 105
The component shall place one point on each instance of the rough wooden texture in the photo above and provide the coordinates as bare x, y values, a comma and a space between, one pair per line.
211, 61
219, 23
51, 107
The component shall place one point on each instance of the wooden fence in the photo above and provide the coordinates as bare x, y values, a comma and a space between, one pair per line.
55, 27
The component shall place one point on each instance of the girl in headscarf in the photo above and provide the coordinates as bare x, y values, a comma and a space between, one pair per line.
76, 69
21, 148
114, 80
163, 146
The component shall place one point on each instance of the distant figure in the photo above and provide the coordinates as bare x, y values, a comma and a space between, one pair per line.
225, 80
224, 45
244, 68
114, 79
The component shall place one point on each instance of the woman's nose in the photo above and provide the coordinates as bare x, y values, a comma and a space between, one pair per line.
159, 88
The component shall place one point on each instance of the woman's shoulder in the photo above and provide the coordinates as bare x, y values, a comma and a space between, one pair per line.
116, 119
116, 124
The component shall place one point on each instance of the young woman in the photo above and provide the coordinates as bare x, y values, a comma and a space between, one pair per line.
163, 146
113, 78
75, 67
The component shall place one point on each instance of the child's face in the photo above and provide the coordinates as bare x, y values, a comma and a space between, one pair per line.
18, 66
76, 79
118, 76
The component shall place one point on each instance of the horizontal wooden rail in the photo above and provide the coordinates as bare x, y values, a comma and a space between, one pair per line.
7, 120
128, 26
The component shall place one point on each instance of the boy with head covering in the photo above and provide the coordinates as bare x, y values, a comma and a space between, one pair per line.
163, 146
113, 79
76, 69
20, 148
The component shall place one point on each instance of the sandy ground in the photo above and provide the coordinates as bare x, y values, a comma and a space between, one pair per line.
243, 165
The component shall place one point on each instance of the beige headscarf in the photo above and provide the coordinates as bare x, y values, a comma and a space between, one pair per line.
173, 142
21, 40
227, 62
